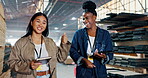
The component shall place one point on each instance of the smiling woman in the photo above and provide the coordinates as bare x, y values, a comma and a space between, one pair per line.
38, 20
87, 44
39, 24
36, 45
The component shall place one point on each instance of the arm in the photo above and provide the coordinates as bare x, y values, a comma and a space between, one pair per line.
63, 52
74, 50
108, 47
17, 63
63, 49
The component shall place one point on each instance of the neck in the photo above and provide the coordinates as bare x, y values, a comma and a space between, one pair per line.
36, 38
92, 31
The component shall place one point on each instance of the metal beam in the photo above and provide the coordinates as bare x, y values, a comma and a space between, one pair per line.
106, 6
122, 4
142, 6
71, 1
50, 9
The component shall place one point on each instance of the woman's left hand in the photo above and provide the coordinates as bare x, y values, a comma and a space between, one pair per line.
64, 38
99, 55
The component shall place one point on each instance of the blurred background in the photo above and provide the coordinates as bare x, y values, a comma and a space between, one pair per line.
126, 20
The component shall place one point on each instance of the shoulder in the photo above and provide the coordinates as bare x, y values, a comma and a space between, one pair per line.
22, 40
49, 40
103, 30
81, 30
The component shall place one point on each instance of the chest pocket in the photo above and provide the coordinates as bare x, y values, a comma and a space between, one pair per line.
100, 46
100, 43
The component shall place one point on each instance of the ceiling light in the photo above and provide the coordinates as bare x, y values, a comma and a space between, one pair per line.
32, 5
56, 28
64, 24
11, 36
24, 2
73, 18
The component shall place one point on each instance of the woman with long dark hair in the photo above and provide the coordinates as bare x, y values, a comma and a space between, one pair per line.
88, 45
36, 45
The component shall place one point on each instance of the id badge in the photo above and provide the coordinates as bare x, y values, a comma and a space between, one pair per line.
39, 68
42, 67
90, 59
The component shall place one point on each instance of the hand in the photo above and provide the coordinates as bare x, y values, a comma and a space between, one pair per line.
35, 65
99, 55
64, 38
88, 63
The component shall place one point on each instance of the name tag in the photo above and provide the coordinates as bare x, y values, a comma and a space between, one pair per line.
39, 68
90, 59
42, 67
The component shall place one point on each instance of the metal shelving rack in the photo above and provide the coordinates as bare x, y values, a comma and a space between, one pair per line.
126, 56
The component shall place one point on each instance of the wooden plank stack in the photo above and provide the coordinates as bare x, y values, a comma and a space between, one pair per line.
1, 58
2, 26
131, 39
136, 35
129, 62
2, 36
121, 73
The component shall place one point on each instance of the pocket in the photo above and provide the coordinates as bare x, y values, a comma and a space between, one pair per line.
103, 71
80, 72
98, 46
84, 72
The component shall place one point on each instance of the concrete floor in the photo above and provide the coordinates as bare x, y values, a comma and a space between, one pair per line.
65, 71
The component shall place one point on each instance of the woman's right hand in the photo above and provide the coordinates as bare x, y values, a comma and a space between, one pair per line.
88, 63
35, 65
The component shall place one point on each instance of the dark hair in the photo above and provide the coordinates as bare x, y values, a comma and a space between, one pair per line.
89, 6
30, 28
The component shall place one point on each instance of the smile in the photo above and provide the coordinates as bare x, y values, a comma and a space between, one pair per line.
39, 28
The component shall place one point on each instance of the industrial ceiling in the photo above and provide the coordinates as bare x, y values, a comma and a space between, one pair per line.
62, 16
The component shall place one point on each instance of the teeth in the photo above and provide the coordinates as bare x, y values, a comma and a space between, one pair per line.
86, 23
39, 28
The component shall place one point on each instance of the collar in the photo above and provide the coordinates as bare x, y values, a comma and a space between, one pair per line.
29, 37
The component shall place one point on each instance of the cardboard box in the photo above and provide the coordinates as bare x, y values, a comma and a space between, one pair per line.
2, 24
1, 66
2, 10
1, 58
2, 31
1, 54
6, 74
2, 40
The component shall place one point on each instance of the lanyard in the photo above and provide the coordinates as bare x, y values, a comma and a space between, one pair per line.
39, 55
92, 47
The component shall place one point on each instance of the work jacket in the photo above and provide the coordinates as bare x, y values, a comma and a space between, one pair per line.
78, 50
23, 53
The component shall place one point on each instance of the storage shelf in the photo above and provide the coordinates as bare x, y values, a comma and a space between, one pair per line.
129, 35
121, 17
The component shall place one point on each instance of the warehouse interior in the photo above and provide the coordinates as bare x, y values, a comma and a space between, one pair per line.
126, 20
